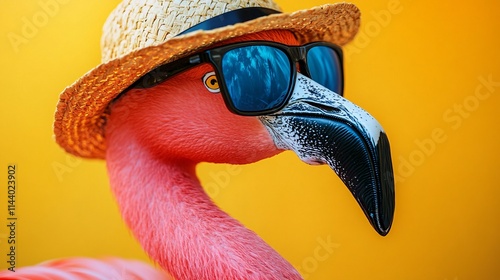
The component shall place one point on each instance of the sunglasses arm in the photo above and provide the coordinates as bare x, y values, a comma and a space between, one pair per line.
166, 71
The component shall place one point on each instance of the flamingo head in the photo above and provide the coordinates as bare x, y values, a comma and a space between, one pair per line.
182, 119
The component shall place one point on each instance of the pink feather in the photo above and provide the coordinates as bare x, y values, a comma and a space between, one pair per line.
155, 139
86, 269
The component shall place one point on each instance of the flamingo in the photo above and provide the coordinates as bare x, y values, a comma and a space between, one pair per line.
157, 136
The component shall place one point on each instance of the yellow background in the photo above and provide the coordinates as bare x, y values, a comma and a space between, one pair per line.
414, 64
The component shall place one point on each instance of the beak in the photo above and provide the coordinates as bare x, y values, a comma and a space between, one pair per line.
321, 126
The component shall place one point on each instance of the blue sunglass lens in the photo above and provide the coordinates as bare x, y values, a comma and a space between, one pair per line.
257, 78
323, 64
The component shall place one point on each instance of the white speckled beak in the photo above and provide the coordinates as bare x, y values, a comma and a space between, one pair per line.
321, 126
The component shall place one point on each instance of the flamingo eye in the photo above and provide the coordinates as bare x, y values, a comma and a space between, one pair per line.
211, 83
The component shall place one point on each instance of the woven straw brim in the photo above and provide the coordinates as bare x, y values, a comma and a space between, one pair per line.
82, 110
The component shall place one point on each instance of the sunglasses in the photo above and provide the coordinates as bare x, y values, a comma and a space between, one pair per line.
258, 77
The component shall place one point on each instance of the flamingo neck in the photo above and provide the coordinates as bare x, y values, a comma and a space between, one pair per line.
178, 225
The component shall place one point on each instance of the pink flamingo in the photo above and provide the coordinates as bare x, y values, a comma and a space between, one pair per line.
155, 138
153, 148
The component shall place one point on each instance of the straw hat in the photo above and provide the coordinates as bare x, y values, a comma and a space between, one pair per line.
140, 35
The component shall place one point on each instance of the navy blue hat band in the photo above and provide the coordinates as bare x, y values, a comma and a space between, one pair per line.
231, 18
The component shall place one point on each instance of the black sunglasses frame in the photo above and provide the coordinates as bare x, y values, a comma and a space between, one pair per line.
295, 54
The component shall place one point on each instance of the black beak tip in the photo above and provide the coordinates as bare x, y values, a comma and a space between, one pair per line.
360, 159
382, 220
